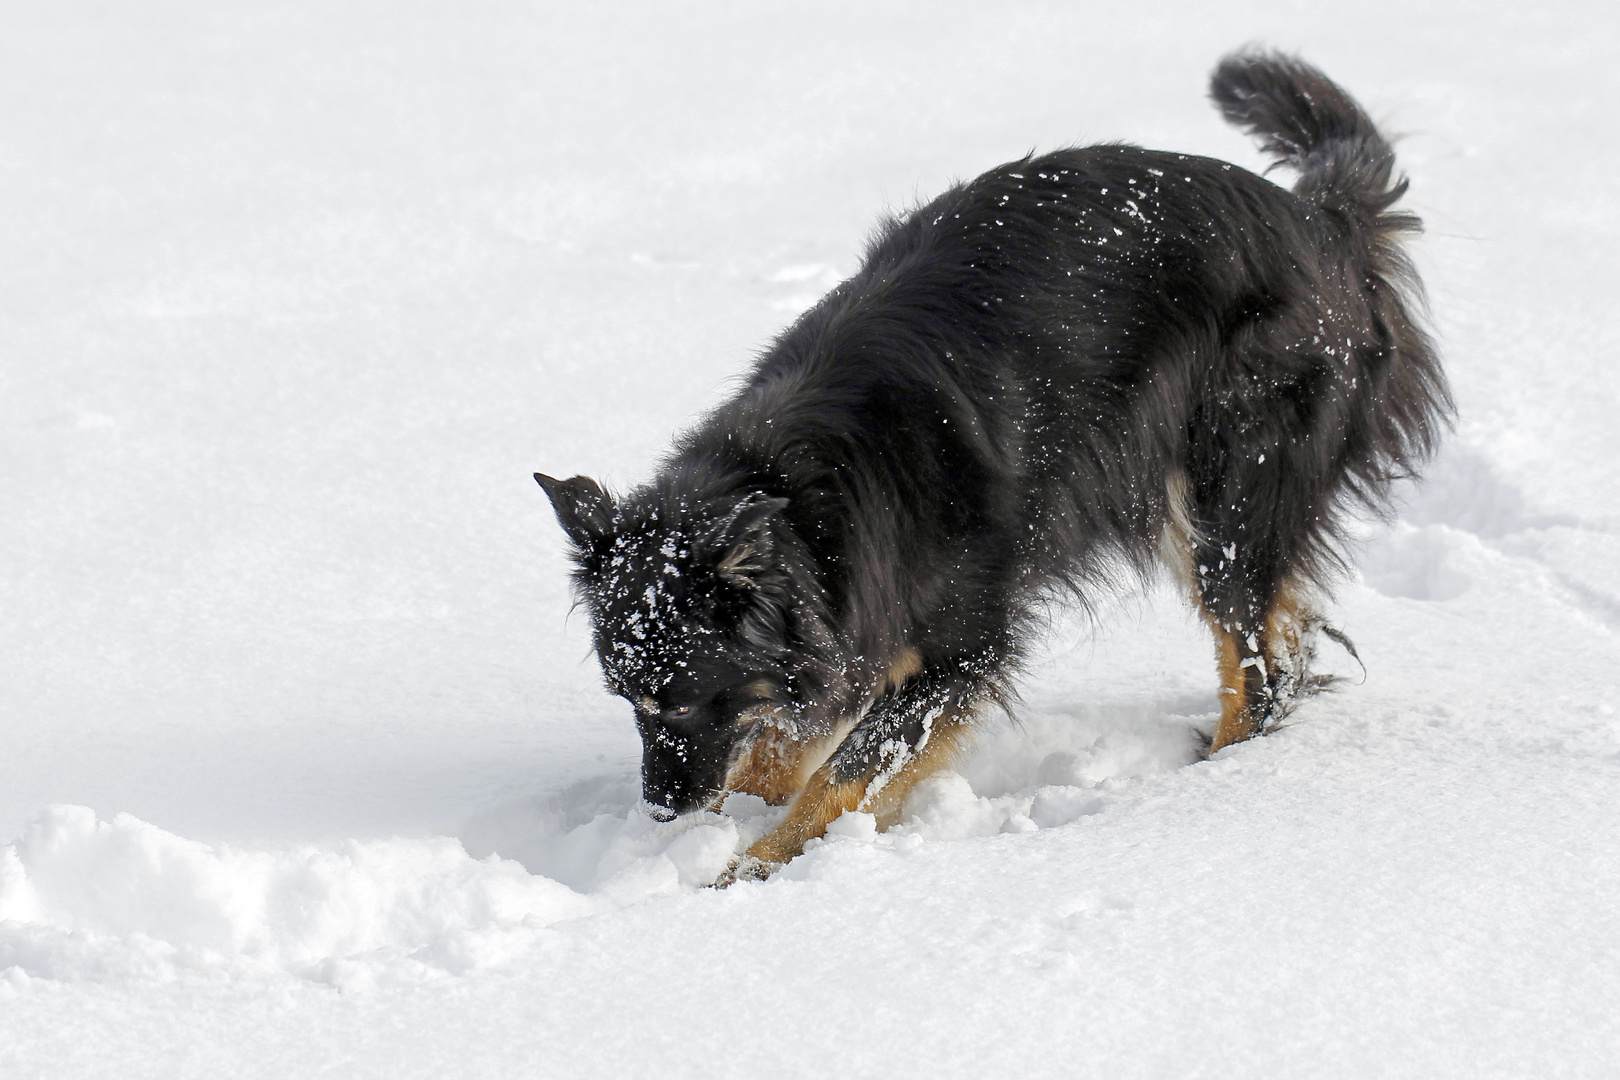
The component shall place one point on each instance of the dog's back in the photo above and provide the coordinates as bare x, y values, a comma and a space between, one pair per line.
1047, 378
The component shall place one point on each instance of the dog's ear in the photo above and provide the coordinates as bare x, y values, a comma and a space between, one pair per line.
747, 566
583, 508
745, 539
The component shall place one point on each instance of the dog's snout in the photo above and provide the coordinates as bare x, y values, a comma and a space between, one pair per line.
657, 811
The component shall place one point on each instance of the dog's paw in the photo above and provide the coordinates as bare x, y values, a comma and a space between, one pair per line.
745, 868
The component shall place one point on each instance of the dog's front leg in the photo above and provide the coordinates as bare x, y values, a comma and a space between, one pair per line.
904, 737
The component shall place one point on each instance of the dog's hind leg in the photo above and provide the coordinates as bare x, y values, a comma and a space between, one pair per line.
1261, 610
906, 736
1263, 661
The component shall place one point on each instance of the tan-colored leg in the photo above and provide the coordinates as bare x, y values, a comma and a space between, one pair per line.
822, 802
1259, 672
1177, 546
777, 766
771, 768
1291, 625
1261, 668
1238, 720
881, 792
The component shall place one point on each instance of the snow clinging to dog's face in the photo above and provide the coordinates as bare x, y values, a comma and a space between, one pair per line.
684, 628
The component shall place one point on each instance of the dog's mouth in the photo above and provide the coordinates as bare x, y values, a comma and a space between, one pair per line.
660, 812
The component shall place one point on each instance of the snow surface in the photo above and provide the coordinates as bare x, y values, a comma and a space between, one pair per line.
305, 770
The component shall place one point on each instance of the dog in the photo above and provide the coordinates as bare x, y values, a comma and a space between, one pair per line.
1046, 382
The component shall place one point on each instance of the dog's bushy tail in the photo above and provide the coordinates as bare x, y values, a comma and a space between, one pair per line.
1311, 125
1345, 165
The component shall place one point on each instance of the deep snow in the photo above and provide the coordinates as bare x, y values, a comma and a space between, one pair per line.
305, 769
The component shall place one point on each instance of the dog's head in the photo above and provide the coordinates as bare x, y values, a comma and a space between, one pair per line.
689, 607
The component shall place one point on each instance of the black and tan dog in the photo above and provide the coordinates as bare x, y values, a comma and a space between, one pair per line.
1049, 379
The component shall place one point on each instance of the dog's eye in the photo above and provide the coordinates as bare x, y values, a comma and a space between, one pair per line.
679, 710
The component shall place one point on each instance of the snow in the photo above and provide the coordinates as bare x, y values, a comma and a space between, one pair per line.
305, 769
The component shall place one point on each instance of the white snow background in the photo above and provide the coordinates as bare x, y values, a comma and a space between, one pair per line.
306, 770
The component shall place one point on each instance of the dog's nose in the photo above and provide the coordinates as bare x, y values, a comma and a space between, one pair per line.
657, 812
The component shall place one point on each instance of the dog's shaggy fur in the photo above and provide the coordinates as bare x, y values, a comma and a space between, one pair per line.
1047, 380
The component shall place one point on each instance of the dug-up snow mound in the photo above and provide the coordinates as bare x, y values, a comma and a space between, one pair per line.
86, 899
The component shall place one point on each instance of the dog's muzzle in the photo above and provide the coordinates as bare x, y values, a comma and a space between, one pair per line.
657, 812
